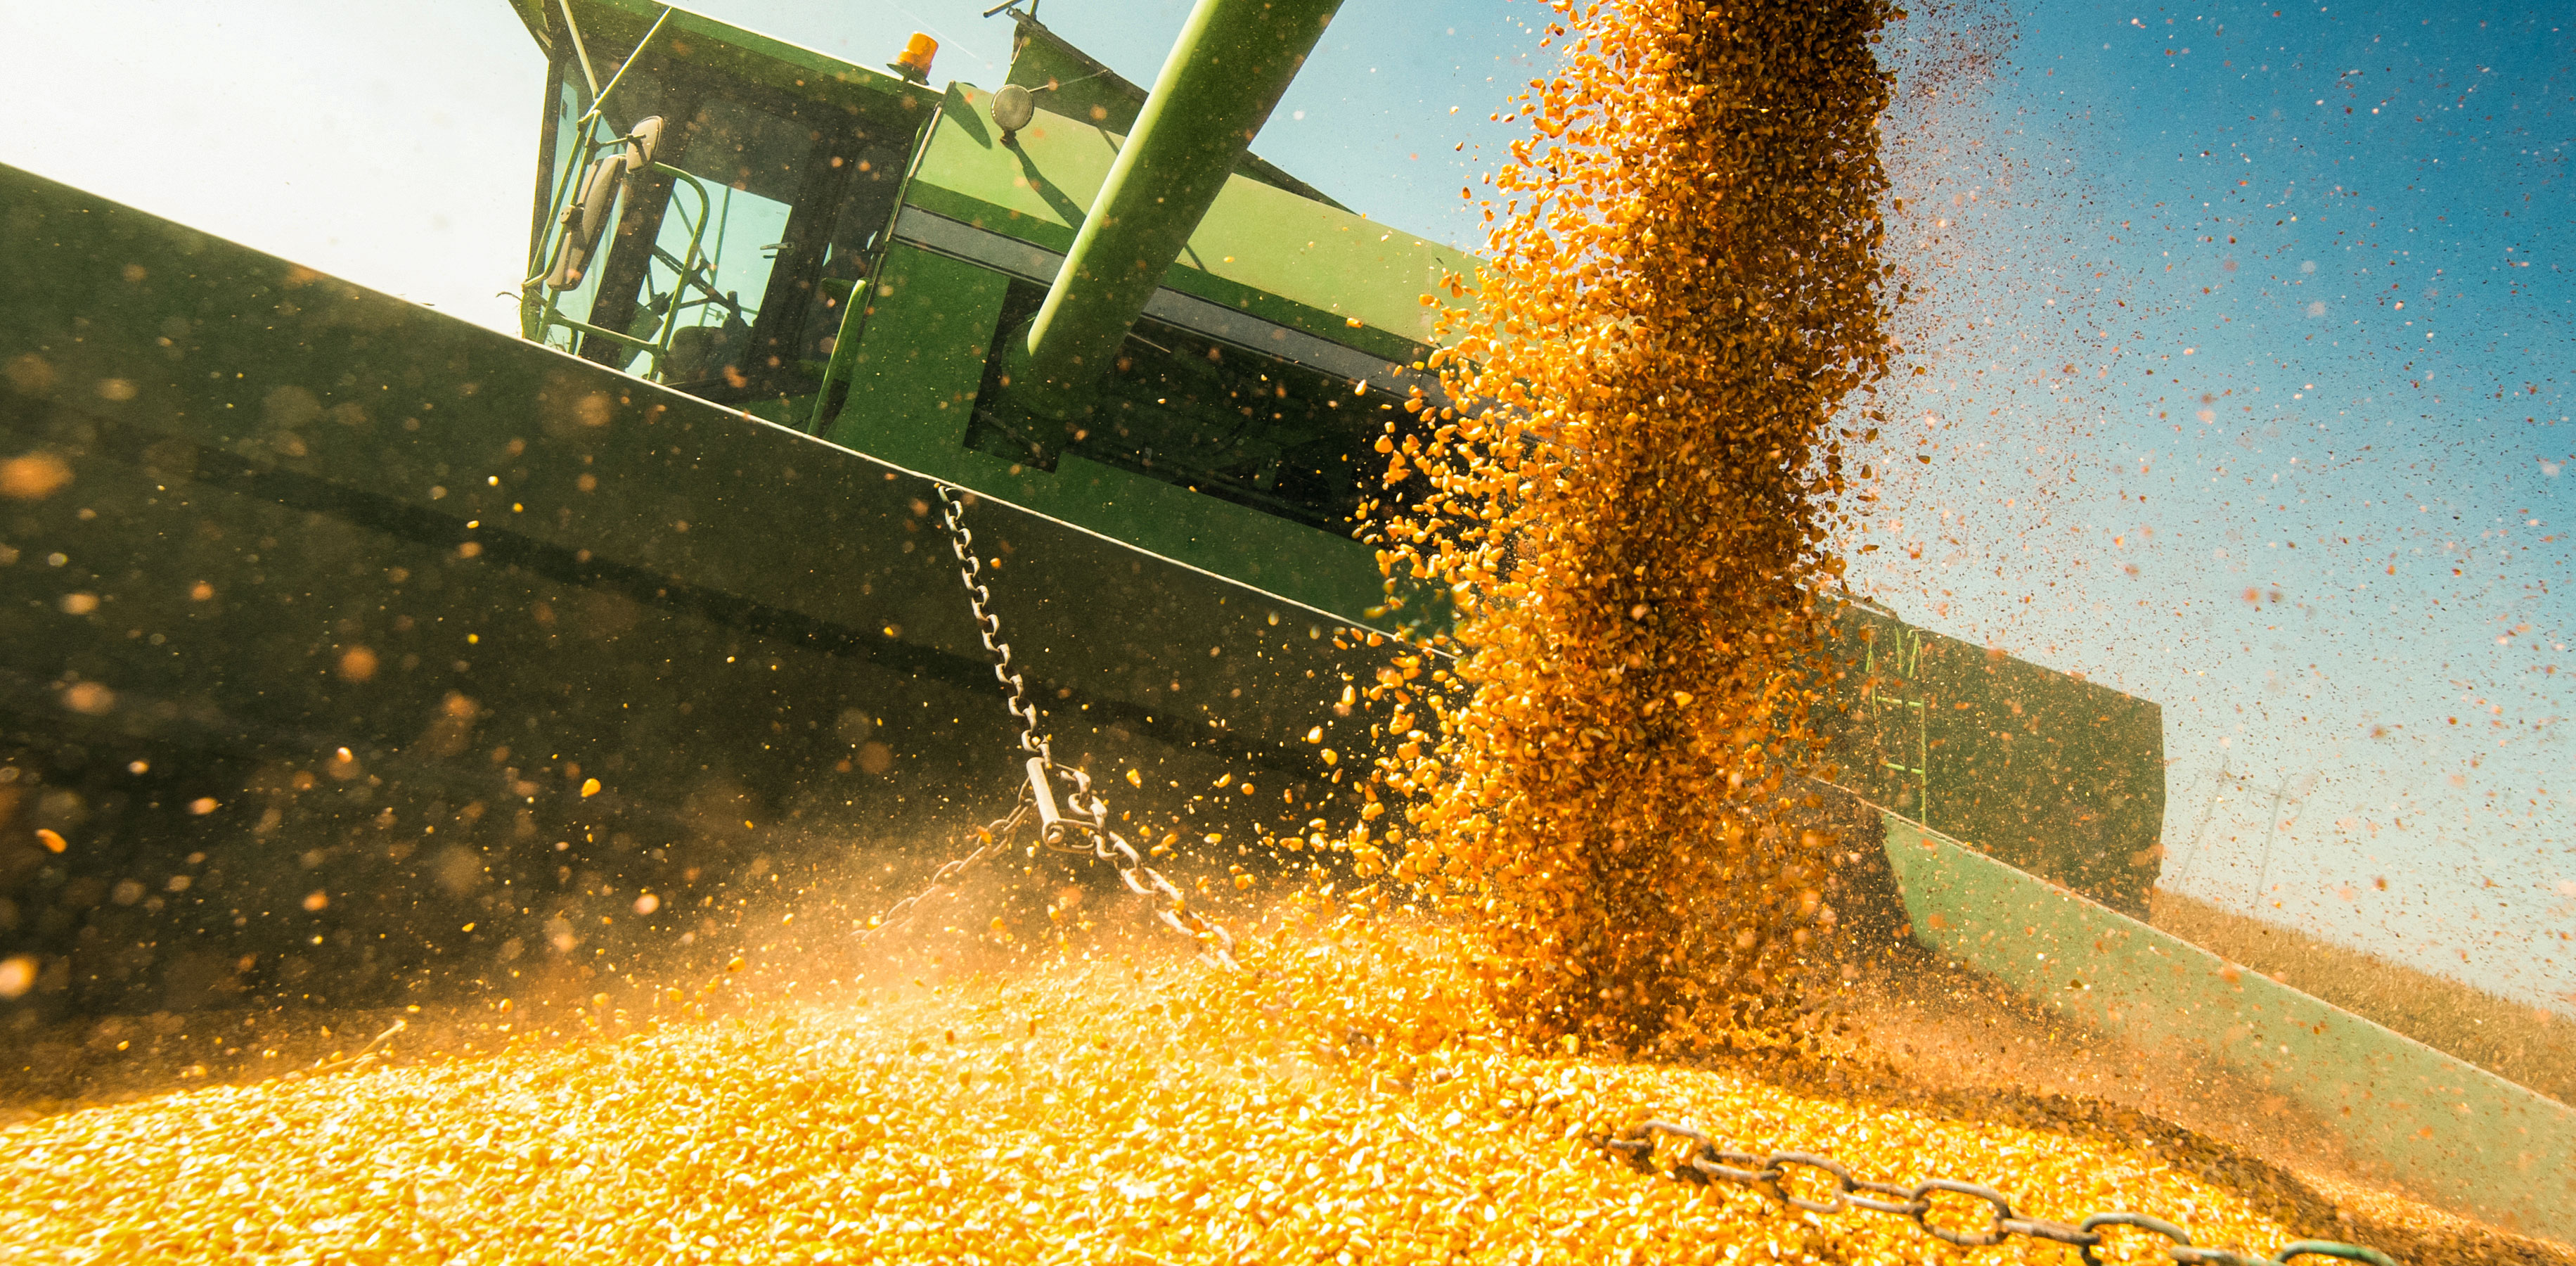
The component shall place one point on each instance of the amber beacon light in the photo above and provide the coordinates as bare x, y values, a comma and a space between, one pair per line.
914, 64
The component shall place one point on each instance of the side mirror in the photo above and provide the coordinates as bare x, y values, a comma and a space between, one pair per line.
591, 209
642, 142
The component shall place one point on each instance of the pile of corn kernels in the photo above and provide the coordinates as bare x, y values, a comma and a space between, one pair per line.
1347, 1098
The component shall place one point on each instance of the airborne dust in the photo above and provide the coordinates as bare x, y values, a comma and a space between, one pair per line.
1658, 410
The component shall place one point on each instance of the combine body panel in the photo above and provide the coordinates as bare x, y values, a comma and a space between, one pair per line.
2058, 776
333, 521
2454, 1134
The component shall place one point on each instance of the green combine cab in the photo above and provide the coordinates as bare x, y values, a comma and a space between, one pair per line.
892, 240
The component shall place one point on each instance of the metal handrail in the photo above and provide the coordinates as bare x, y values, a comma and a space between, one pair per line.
589, 148
659, 346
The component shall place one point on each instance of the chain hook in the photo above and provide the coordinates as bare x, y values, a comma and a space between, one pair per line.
1078, 820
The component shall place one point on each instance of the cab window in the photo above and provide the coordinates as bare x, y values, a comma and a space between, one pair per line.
734, 256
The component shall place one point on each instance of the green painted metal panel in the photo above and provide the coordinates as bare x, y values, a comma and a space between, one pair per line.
1082, 88
610, 28
913, 390
1227, 70
1301, 263
532, 14
2457, 1134
921, 355
2058, 776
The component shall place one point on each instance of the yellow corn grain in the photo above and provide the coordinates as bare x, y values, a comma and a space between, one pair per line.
1351, 1094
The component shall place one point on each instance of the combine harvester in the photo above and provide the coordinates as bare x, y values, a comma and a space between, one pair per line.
353, 653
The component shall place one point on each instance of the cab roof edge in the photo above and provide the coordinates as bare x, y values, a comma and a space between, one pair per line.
621, 20
1030, 29
532, 15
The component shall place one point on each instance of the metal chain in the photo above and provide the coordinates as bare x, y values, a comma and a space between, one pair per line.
990, 838
1077, 822
988, 626
1704, 1161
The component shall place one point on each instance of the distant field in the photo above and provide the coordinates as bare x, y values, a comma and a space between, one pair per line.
2520, 1043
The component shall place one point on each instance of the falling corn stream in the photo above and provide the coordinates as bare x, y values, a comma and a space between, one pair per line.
1585, 892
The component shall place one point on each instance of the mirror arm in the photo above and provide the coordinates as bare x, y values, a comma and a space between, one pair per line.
599, 101
546, 316
574, 163
537, 315
577, 160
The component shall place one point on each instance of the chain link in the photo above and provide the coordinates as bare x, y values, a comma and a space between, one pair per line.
991, 838
1703, 1161
1076, 822
988, 626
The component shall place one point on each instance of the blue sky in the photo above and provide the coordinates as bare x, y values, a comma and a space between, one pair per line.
2162, 252
2249, 341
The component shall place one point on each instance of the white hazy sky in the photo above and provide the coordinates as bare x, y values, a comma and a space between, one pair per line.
394, 144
